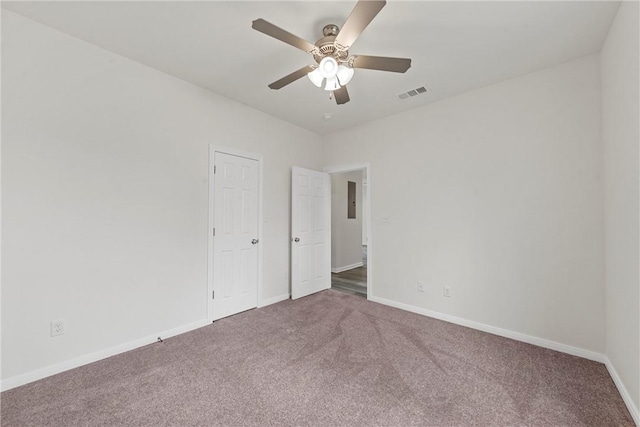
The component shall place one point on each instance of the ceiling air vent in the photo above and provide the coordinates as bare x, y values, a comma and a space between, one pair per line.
413, 92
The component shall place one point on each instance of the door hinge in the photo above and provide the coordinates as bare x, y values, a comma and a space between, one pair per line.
214, 169
213, 294
214, 231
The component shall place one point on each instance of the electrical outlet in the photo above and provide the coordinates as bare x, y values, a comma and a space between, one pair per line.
446, 291
57, 328
420, 286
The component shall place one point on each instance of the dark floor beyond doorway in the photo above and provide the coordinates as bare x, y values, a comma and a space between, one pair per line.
352, 281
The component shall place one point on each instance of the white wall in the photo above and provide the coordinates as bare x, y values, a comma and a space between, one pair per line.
346, 234
621, 135
105, 198
496, 193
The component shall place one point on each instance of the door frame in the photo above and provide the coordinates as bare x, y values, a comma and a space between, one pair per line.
213, 149
367, 211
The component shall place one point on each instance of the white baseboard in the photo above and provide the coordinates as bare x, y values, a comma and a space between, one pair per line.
273, 300
131, 345
347, 267
631, 406
48, 371
540, 342
57, 368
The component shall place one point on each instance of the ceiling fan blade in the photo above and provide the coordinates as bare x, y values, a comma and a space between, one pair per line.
291, 77
282, 35
382, 63
341, 95
361, 15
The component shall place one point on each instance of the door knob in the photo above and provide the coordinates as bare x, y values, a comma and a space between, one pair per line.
254, 241
296, 240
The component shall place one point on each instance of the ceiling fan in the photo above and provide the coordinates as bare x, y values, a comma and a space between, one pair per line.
334, 64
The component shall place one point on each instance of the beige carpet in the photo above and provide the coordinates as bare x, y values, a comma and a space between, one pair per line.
330, 359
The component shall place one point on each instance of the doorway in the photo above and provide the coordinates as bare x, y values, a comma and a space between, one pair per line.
234, 237
350, 229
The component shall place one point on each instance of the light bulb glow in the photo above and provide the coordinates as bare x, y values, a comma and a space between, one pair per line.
344, 74
332, 84
328, 67
316, 77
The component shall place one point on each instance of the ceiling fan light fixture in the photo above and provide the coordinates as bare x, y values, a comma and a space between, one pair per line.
332, 84
344, 74
335, 67
316, 77
328, 67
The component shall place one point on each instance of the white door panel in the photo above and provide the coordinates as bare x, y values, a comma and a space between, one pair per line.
311, 232
235, 257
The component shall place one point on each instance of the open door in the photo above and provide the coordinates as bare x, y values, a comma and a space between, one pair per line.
310, 232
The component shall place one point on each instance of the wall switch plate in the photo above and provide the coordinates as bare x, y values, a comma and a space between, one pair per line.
446, 291
57, 328
420, 286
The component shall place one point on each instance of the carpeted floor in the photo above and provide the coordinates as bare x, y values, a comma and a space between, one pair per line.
330, 359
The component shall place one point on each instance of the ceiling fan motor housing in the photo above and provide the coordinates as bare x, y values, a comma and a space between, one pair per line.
327, 47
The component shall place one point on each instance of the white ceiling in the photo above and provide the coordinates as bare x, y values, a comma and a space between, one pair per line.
455, 47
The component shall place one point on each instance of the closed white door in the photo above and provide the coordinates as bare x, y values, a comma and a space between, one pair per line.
235, 241
311, 232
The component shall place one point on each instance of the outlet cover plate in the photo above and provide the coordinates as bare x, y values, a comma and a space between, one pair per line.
57, 328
